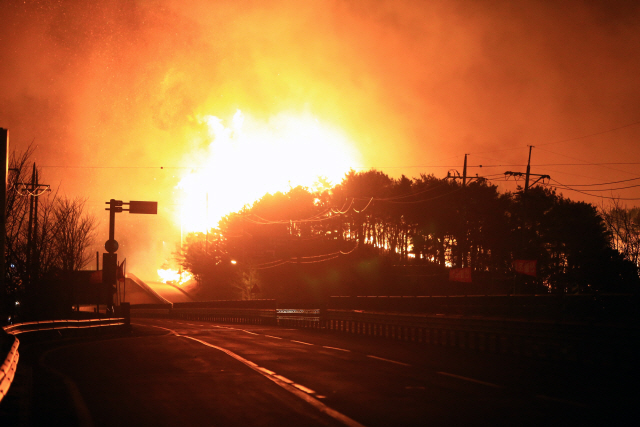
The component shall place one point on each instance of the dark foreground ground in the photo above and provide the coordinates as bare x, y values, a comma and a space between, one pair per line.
179, 373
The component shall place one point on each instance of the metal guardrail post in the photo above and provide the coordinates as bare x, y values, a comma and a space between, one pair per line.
126, 312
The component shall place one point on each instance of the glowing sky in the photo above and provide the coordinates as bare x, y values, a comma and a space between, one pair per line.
110, 91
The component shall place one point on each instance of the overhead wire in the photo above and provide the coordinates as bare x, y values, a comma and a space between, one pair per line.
425, 200
563, 187
605, 189
309, 259
340, 211
603, 183
591, 134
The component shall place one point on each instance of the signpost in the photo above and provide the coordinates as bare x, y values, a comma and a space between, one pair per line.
110, 259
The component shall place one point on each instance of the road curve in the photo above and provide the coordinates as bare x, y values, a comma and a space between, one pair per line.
171, 372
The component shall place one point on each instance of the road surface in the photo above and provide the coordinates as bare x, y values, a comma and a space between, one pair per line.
191, 373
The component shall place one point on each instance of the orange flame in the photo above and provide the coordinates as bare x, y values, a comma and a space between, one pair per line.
253, 157
173, 276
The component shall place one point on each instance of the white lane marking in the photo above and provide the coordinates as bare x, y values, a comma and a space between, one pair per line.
266, 371
473, 380
555, 399
166, 329
299, 393
303, 388
285, 379
336, 348
252, 333
301, 342
270, 336
388, 360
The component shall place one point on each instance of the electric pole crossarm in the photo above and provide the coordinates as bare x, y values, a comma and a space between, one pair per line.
541, 177
456, 175
527, 174
531, 174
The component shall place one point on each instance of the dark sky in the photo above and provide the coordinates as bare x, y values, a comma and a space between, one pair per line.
110, 91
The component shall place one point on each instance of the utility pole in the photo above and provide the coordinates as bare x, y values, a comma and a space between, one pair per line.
4, 154
527, 179
527, 174
454, 174
34, 190
464, 171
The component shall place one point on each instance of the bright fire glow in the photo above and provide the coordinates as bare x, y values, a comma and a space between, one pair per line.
252, 157
176, 277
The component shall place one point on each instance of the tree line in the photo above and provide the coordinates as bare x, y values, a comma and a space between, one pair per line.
373, 234
47, 237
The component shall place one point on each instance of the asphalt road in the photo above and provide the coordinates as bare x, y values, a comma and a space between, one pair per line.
190, 373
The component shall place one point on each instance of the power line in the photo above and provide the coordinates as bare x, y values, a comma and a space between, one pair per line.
603, 183
591, 134
311, 259
497, 165
563, 187
611, 189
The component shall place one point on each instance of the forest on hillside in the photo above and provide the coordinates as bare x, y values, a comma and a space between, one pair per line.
375, 235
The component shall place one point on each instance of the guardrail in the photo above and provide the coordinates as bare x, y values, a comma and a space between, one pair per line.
587, 341
595, 307
151, 310
299, 317
247, 311
532, 339
47, 325
8, 369
226, 315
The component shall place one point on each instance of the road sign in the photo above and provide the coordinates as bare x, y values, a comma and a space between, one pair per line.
460, 275
526, 266
137, 207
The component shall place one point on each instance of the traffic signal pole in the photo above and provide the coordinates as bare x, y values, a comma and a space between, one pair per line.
110, 259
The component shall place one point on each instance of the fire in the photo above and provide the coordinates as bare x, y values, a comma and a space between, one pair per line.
248, 158
176, 277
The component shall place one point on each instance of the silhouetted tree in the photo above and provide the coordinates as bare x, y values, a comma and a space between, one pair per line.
624, 226
60, 235
299, 243
211, 266
74, 233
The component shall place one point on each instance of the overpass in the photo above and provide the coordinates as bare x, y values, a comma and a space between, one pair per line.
137, 291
